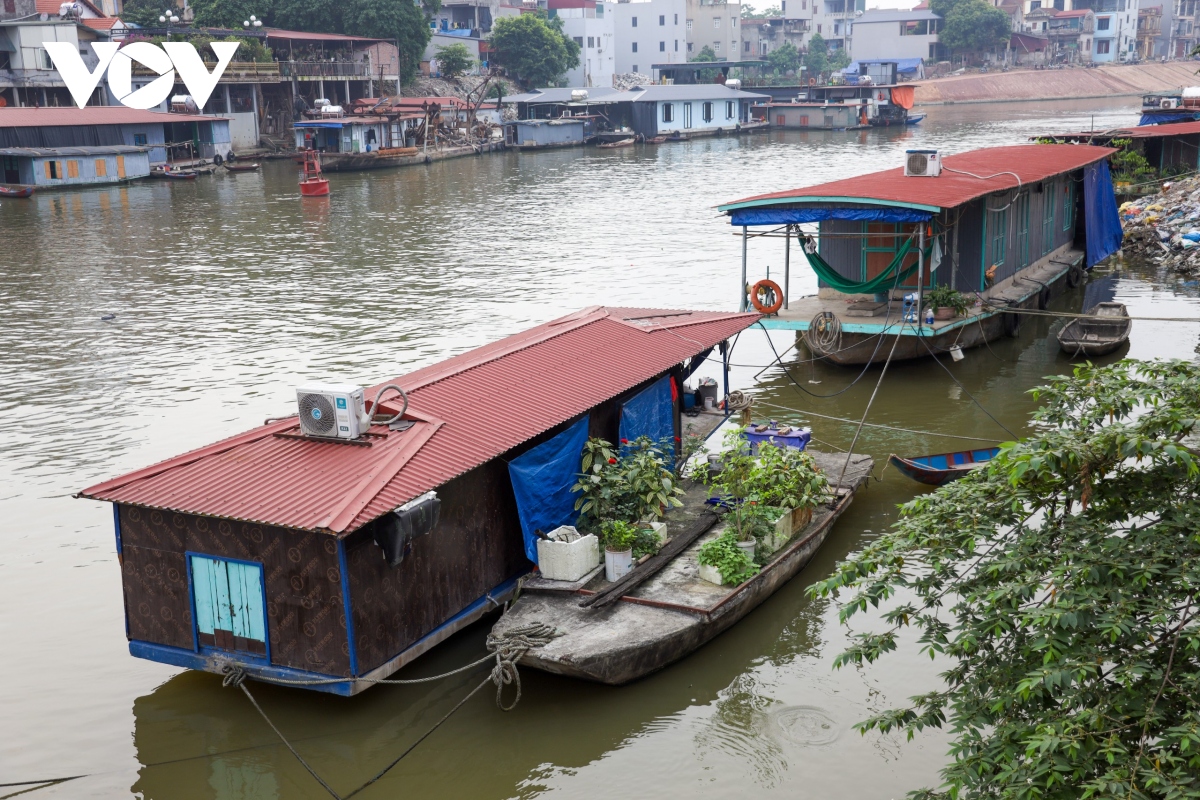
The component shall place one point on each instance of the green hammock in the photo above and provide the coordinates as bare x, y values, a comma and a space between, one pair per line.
880, 283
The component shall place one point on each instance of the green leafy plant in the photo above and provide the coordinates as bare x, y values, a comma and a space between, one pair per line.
646, 543
533, 51
454, 60
1062, 583
787, 478
734, 564
945, 297
1129, 165
632, 484
618, 536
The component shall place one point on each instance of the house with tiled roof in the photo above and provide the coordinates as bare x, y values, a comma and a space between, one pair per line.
27, 77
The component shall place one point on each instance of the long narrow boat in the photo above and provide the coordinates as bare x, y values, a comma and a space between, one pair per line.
674, 612
622, 143
914, 119
936, 470
15, 190
1107, 329
231, 167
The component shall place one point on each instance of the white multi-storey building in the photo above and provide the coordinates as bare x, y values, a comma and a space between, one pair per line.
592, 25
649, 32
832, 19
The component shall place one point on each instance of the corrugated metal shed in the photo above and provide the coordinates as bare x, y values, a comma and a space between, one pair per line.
468, 410
92, 115
1163, 131
999, 168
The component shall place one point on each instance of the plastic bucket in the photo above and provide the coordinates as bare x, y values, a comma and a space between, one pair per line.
617, 565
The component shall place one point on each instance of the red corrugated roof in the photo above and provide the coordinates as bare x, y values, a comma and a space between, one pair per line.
101, 23
1142, 132
469, 409
305, 36
1032, 162
11, 117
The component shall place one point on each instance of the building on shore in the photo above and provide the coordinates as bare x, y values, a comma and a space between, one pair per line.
161, 136
690, 109
1009, 226
648, 32
1149, 33
592, 25
833, 19
715, 24
889, 34
27, 76
53, 167
760, 37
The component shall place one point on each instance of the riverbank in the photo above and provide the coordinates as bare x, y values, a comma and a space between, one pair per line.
1125, 80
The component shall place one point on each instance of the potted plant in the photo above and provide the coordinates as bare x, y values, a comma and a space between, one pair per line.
790, 480
634, 483
946, 303
619, 538
723, 562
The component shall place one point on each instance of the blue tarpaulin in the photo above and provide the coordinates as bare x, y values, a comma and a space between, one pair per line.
651, 413
791, 216
1102, 223
316, 125
542, 479
904, 66
1161, 119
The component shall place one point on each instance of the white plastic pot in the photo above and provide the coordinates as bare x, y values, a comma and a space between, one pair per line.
617, 564
748, 547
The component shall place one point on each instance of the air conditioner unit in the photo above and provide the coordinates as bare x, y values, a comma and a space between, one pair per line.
332, 410
922, 163
1169, 102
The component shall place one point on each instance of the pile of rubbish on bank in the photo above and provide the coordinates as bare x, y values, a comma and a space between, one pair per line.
1165, 227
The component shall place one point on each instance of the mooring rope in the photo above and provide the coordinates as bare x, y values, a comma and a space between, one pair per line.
507, 649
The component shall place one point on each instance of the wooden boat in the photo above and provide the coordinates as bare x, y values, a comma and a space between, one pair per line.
662, 611
15, 190
1106, 330
942, 468
622, 143
241, 167
656, 140
914, 119
312, 184
176, 175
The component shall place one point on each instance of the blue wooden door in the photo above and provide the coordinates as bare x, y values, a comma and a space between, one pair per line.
229, 604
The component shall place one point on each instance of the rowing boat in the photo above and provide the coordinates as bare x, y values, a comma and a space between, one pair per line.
622, 143
942, 468
1105, 329
241, 167
15, 190
649, 621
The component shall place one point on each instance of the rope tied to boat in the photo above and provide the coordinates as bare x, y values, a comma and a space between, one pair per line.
506, 648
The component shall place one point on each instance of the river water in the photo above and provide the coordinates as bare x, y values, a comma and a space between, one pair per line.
230, 291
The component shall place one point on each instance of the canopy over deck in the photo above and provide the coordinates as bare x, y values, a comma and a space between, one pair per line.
890, 196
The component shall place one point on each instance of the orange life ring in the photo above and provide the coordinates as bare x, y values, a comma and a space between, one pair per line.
812, 81
772, 287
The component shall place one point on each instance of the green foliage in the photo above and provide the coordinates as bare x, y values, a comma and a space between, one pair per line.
618, 536
817, 58
749, 12
787, 478
308, 15
945, 297
401, 20
532, 51
731, 561
225, 13
705, 54
1129, 165
631, 485
971, 25
784, 58
839, 60
454, 59
646, 543
143, 12
1062, 583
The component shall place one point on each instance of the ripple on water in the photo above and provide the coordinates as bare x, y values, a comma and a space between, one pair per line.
808, 726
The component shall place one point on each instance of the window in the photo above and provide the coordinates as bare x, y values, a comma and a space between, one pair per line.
230, 610
53, 170
578, 40
818, 27
1049, 201
1102, 23
746, 47
662, 47
998, 229
668, 109
1121, 6
676, 19
728, 109
662, 19
635, 22
635, 50
687, 115
44, 59
676, 45
706, 111
635, 69
689, 47
716, 47
72, 169
717, 23
1022, 212
139, 139
1035, 5
1068, 204
591, 42
783, 6
1102, 46
733, 22
101, 168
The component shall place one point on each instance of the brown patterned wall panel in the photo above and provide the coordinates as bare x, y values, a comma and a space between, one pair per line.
306, 622
475, 546
157, 603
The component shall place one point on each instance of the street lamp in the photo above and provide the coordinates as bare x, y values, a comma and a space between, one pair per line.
168, 17
253, 22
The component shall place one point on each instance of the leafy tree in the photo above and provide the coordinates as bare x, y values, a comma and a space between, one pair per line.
783, 58
817, 59
308, 15
971, 25
454, 59
705, 54
839, 60
143, 12
533, 52
749, 12
1063, 581
401, 20
226, 13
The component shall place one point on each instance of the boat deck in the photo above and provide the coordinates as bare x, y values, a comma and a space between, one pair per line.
800, 311
674, 611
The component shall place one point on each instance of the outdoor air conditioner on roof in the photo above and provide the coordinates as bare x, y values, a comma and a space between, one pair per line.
922, 163
332, 410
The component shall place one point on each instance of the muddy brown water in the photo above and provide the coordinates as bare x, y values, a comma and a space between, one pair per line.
231, 290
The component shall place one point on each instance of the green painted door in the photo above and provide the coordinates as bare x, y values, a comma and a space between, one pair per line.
229, 604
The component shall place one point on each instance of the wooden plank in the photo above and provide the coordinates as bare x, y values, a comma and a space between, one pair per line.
639, 575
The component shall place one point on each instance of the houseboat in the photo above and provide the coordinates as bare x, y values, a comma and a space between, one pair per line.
1166, 108
344, 541
841, 107
1168, 149
1004, 227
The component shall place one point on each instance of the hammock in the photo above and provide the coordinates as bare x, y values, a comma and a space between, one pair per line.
880, 283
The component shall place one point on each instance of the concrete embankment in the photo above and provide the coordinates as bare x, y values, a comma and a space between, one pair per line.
1058, 84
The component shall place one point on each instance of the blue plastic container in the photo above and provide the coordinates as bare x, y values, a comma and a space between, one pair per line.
797, 437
